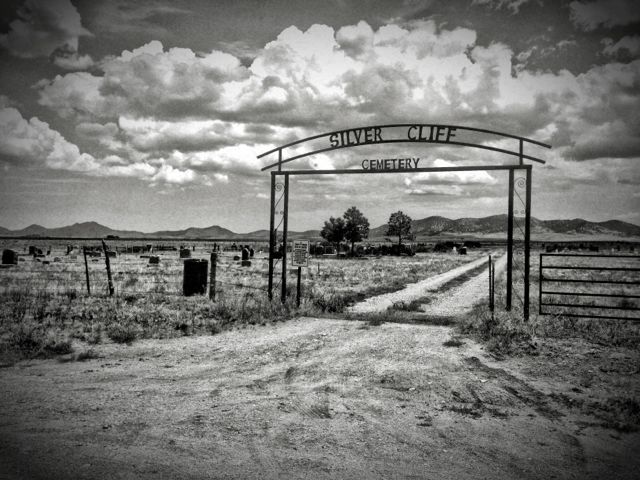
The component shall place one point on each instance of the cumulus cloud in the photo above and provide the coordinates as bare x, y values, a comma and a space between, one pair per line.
631, 45
34, 142
590, 15
73, 61
446, 190
599, 118
47, 28
513, 5
209, 114
446, 183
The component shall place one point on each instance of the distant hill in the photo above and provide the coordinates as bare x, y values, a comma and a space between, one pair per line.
213, 231
492, 226
497, 224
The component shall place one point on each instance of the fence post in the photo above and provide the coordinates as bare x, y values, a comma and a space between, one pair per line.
86, 269
540, 285
107, 262
492, 287
212, 277
299, 289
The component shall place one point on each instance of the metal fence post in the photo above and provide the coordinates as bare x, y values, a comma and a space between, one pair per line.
527, 243
298, 287
108, 264
212, 276
540, 285
86, 269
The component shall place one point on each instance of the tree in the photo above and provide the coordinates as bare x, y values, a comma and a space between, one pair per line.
399, 225
333, 231
356, 226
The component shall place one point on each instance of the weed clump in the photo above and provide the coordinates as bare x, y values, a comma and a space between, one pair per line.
505, 333
122, 333
453, 342
33, 341
332, 301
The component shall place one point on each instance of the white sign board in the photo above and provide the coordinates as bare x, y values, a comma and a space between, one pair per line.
300, 253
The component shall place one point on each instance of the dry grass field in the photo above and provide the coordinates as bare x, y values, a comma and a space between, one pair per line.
45, 305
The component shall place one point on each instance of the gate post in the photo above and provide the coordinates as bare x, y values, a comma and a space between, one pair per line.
272, 240
527, 241
510, 242
283, 295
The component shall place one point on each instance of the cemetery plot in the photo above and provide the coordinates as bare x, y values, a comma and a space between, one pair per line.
161, 272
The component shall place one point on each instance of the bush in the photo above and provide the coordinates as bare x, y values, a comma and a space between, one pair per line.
32, 341
504, 332
122, 333
332, 302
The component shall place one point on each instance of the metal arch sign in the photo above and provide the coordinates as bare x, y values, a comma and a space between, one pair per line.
397, 133
405, 133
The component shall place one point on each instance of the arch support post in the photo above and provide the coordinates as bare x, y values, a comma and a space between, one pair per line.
272, 238
510, 243
285, 226
527, 241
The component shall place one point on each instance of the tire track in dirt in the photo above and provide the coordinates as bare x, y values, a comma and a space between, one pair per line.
519, 389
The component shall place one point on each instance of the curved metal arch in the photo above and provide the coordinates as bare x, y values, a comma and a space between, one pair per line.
520, 154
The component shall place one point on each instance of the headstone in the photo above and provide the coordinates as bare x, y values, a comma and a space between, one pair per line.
9, 257
195, 276
185, 253
245, 254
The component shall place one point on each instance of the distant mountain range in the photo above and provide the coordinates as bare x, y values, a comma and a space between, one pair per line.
497, 225
493, 226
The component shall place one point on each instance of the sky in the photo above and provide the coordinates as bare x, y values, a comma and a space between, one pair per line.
150, 115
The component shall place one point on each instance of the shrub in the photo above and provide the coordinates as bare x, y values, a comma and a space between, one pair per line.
30, 341
122, 333
86, 355
453, 342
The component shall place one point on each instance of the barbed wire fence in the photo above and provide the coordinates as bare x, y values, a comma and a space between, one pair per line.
131, 274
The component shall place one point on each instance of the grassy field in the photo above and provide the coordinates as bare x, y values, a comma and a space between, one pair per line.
45, 307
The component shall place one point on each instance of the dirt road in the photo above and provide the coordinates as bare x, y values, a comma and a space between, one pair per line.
413, 291
317, 398
459, 300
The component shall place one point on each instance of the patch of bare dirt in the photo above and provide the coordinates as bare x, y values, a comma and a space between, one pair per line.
318, 398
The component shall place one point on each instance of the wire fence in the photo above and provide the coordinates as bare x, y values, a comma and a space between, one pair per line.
138, 273
131, 274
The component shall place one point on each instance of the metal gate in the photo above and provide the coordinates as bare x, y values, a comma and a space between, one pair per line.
590, 285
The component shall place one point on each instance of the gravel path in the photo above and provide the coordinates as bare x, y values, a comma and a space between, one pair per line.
414, 290
462, 298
